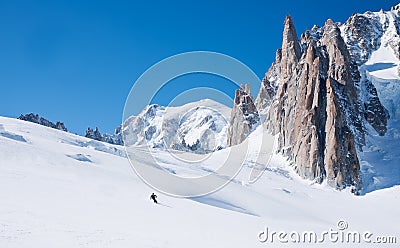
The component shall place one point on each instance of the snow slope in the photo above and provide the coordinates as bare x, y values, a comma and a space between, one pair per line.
380, 157
62, 190
373, 39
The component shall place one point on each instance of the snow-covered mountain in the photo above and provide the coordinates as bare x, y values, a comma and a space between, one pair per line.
332, 97
199, 127
62, 190
380, 67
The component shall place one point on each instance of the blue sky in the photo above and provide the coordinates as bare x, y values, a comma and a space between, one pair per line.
76, 61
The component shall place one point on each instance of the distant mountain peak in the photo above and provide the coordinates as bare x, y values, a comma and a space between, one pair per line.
199, 127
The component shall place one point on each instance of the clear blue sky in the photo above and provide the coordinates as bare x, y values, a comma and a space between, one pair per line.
75, 61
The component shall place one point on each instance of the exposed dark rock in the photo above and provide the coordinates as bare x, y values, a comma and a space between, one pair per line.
374, 112
115, 138
35, 118
93, 134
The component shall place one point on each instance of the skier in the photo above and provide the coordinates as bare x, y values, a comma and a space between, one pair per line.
153, 197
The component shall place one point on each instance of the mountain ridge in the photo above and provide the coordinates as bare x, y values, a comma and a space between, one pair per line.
323, 76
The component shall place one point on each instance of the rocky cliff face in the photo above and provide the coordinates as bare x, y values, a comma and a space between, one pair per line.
309, 111
341, 163
244, 116
363, 34
318, 95
269, 86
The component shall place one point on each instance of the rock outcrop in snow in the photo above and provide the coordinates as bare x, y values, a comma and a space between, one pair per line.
115, 138
35, 118
244, 116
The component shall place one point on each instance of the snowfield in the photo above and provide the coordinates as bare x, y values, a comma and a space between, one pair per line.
63, 190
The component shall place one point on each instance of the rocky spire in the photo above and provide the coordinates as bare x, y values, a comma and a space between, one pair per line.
339, 62
244, 116
291, 51
340, 157
309, 111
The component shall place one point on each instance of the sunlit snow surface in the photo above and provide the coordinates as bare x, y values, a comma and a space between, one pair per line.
61, 190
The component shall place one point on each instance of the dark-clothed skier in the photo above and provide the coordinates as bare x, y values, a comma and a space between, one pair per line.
153, 197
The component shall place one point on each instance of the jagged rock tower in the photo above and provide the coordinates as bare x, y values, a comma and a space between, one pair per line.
309, 97
244, 116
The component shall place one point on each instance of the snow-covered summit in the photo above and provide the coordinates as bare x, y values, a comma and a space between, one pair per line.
199, 127
365, 33
395, 8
